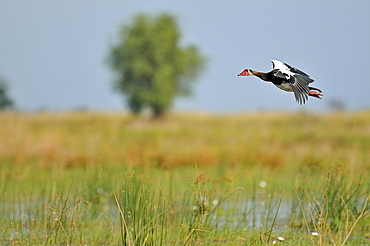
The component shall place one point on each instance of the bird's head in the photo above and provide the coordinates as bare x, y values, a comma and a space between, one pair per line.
246, 72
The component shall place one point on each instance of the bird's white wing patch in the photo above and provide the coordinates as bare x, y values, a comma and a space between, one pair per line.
279, 65
283, 68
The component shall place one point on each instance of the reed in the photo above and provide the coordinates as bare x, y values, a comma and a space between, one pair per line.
341, 205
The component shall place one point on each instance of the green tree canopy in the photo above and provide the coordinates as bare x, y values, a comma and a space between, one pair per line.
150, 65
5, 100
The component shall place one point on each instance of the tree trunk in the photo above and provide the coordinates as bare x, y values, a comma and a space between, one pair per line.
158, 111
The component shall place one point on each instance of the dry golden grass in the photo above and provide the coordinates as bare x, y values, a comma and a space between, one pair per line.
269, 139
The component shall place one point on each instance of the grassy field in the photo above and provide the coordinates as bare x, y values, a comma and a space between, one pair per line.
189, 179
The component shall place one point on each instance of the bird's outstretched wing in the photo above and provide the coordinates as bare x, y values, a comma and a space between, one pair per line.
296, 70
287, 69
300, 88
298, 80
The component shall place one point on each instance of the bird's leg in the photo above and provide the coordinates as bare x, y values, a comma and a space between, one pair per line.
315, 94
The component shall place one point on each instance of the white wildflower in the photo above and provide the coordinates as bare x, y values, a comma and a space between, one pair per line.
281, 238
263, 184
215, 202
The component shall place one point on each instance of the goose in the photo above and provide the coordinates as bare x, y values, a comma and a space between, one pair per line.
289, 79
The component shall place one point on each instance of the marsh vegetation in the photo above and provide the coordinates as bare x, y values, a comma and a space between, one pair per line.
188, 179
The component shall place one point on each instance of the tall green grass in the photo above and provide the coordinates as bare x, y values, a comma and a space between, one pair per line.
339, 207
126, 207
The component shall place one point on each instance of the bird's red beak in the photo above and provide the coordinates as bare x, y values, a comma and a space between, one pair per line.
245, 72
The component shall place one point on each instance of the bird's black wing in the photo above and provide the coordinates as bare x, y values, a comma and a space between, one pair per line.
300, 88
296, 70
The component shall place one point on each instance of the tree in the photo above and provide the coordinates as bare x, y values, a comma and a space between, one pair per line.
5, 101
150, 65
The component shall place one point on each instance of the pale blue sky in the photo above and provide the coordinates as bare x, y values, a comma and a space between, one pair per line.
52, 52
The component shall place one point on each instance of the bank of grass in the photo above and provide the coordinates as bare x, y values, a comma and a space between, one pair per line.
269, 140
191, 179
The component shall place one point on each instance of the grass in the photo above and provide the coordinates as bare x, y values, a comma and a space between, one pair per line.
190, 179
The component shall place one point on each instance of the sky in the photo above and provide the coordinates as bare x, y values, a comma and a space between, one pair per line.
53, 53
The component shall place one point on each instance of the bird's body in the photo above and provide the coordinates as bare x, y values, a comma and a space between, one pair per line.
289, 79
